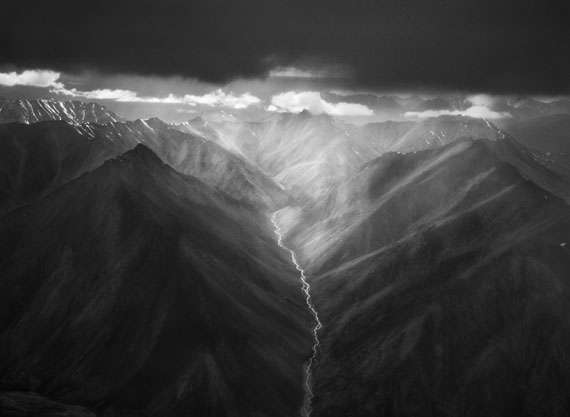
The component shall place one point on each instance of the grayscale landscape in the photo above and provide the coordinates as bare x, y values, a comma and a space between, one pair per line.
284, 208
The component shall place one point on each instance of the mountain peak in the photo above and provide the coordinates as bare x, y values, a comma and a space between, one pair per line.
140, 159
39, 110
141, 153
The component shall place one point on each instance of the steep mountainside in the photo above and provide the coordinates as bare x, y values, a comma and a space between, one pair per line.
33, 111
443, 290
528, 108
136, 290
213, 164
545, 134
308, 154
548, 137
548, 170
428, 133
36, 159
152, 285
198, 127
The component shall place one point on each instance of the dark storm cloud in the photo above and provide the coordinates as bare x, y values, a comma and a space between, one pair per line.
493, 46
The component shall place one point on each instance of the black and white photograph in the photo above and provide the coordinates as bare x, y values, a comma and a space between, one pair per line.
284, 208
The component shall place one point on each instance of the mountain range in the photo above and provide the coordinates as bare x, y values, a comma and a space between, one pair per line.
144, 274
137, 290
38, 158
33, 111
451, 301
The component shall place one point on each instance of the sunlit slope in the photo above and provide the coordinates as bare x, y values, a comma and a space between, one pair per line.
306, 154
443, 288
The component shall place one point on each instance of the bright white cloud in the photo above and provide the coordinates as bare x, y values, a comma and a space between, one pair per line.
102, 94
220, 98
550, 99
478, 112
125, 96
32, 78
312, 101
481, 100
217, 98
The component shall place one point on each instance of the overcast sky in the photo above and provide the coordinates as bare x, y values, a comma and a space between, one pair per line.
237, 51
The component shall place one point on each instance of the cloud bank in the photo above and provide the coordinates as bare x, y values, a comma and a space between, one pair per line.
313, 102
509, 46
217, 98
477, 111
31, 78
50, 79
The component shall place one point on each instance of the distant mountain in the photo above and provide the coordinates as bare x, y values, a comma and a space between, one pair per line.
33, 111
198, 127
544, 134
213, 164
136, 290
548, 139
526, 108
441, 279
385, 136
151, 284
38, 158
307, 154
549, 171
428, 133
410, 102
209, 130
404, 137
437, 103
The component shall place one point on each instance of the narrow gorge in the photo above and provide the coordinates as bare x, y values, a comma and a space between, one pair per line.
306, 287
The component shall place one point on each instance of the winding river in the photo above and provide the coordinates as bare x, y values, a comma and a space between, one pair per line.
307, 290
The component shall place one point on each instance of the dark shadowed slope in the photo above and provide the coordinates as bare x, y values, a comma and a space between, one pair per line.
550, 172
545, 134
549, 139
33, 111
446, 291
136, 290
36, 159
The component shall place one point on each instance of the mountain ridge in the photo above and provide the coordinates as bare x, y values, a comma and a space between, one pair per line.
33, 111
40, 157
150, 277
